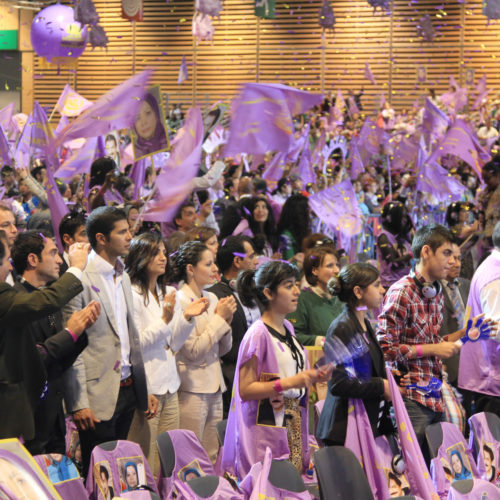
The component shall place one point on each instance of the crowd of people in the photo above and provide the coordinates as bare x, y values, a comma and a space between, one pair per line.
135, 327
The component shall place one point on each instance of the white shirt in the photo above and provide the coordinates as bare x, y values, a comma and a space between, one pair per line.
114, 293
490, 295
160, 341
286, 363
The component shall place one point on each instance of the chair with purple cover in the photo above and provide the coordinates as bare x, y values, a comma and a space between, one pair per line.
68, 487
340, 474
468, 489
206, 487
181, 457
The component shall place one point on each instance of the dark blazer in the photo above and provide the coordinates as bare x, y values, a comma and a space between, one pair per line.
238, 326
22, 372
58, 351
450, 325
332, 425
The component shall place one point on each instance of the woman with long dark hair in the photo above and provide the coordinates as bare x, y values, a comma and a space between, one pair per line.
358, 286
198, 361
394, 243
294, 225
258, 223
163, 329
271, 371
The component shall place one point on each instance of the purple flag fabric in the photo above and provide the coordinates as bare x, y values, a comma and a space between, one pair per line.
63, 122
360, 440
5, 151
113, 111
481, 85
138, 174
6, 116
261, 117
369, 75
174, 183
58, 208
71, 103
461, 141
34, 139
305, 166
337, 206
405, 153
435, 122
415, 468
274, 167
371, 139
357, 166
183, 71
482, 93
436, 180
80, 161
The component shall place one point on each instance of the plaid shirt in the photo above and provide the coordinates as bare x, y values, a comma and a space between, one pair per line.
408, 318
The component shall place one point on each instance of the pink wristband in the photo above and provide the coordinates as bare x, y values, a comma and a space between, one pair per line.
418, 348
74, 336
277, 386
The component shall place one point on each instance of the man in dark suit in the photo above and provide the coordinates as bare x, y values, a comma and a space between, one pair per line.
37, 262
22, 374
456, 291
235, 255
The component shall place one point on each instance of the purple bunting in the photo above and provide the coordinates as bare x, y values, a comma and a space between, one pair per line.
261, 117
416, 471
337, 206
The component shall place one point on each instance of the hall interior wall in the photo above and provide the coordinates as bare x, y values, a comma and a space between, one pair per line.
290, 49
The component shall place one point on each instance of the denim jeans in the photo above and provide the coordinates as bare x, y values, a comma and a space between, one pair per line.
420, 417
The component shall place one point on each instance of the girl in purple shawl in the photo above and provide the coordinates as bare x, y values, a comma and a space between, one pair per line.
150, 136
271, 363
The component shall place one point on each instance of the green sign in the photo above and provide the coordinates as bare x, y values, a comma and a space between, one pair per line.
8, 39
265, 8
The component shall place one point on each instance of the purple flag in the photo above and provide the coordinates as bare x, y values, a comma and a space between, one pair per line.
360, 440
357, 166
481, 85
371, 139
337, 206
369, 75
71, 103
58, 208
461, 141
261, 117
317, 154
274, 167
5, 151
415, 469
63, 122
34, 139
113, 111
305, 166
298, 144
435, 122
405, 153
80, 161
6, 117
183, 71
482, 93
138, 175
174, 183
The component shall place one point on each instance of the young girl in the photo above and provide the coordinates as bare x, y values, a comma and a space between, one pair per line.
269, 406
358, 285
198, 361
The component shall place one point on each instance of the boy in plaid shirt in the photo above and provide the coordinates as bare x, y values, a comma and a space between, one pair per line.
410, 322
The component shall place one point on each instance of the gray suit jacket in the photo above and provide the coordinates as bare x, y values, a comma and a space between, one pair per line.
451, 325
94, 379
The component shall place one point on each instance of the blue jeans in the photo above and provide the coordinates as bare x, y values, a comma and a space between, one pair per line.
420, 417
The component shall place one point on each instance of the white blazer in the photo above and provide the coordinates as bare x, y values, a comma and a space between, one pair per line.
160, 341
198, 361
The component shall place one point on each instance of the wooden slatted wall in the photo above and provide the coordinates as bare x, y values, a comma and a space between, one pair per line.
289, 49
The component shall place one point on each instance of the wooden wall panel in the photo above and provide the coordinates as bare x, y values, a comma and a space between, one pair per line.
289, 49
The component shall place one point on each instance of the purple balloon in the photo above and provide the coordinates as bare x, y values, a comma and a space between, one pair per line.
55, 33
